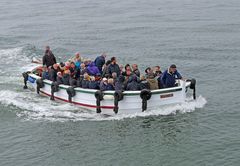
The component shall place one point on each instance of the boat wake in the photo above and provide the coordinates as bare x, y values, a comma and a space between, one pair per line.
34, 107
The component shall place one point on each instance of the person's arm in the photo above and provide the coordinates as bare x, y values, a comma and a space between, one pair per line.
178, 75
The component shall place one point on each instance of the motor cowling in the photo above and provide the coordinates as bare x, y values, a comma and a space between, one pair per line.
40, 84
99, 97
145, 95
118, 96
71, 93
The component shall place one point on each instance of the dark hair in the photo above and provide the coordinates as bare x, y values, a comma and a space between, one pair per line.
127, 65
113, 59
108, 62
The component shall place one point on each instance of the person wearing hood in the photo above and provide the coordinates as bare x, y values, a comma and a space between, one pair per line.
92, 69
133, 85
169, 76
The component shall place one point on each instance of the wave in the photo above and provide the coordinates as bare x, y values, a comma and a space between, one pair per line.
35, 107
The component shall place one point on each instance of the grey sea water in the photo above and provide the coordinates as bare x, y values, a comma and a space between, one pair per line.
202, 37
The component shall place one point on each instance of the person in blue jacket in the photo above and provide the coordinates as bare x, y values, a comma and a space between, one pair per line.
100, 61
169, 76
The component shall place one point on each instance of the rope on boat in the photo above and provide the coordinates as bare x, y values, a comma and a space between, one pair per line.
71, 93
99, 98
54, 88
118, 96
25, 78
40, 84
145, 96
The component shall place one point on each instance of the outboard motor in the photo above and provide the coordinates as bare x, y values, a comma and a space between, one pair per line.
99, 98
54, 88
71, 93
118, 96
193, 87
40, 84
145, 95
25, 78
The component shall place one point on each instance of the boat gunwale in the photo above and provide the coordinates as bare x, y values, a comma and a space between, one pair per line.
127, 93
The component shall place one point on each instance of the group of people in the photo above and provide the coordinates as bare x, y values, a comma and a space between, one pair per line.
106, 74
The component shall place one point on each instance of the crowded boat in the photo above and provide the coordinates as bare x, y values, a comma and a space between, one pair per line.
106, 74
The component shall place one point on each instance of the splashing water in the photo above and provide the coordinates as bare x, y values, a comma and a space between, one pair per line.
34, 107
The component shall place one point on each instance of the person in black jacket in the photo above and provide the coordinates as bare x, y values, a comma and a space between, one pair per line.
53, 72
48, 58
113, 67
100, 61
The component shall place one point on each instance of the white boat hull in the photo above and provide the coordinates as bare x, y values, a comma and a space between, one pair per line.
131, 103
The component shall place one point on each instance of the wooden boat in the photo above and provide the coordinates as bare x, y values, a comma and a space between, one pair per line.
110, 102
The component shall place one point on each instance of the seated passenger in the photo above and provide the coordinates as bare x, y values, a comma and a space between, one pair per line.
93, 84
119, 84
75, 73
144, 84
66, 77
114, 77
133, 85
53, 72
135, 70
110, 85
103, 84
77, 60
169, 77
83, 69
45, 73
128, 71
92, 69
85, 81
59, 78
157, 71
105, 69
149, 73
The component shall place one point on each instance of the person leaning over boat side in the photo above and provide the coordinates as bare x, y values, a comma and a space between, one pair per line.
113, 67
169, 76
100, 61
48, 58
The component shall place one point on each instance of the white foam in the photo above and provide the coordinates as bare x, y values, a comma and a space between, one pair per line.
34, 107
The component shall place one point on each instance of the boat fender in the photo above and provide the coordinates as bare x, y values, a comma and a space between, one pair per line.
118, 96
71, 93
40, 84
193, 87
145, 95
54, 88
99, 98
25, 78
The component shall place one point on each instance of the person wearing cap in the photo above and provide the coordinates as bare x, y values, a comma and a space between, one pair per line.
48, 58
169, 76
100, 61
